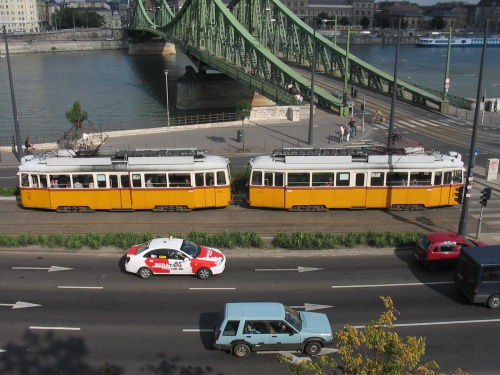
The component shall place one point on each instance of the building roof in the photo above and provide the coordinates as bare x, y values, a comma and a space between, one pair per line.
329, 2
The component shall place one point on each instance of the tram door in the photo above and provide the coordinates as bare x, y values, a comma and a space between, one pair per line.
204, 191
125, 192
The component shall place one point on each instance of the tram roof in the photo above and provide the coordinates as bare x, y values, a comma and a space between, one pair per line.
346, 158
139, 159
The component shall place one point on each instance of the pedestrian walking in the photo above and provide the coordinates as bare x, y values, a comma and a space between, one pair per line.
341, 138
347, 134
495, 105
352, 127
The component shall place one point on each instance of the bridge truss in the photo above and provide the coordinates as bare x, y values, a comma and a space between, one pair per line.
260, 37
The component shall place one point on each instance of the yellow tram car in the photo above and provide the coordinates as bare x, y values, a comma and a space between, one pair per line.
144, 179
356, 178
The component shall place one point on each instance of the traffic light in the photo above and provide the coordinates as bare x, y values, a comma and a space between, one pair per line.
459, 194
362, 107
482, 99
485, 196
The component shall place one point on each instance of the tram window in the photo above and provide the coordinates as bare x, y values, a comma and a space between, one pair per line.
268, 178
323, 179
221, 178
209, 179
101, 180
447, 178
397, 179
360, 179
377, 179
457, 177
64, 181
343, 179
25, 182
420, 178
125, 181
113, 181
136, 180
34, 180
84, 180
299, 179
278, 179
43, 181
198, 179
438, 177
256, 178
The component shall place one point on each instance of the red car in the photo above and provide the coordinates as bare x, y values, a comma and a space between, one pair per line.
438, 250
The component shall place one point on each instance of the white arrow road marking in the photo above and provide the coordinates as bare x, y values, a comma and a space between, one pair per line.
299, 269
19, 305
49, 269
212, 288
2, 351
57, 328
80, 287
311, 307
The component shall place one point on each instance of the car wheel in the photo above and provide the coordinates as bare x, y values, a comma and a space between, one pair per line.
241, 350
204, 273
145, 273
433, 266
312, 348
493, 301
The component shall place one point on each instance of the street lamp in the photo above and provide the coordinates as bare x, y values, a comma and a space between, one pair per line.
13, 97
166, 88
311, 105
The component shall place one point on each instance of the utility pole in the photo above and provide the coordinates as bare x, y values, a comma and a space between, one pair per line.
19, 143
462, 228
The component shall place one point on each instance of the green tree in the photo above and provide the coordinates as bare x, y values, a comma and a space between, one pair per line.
76, 115
365, 22
344, 21
438, 23
243, 110
376, 350
68, 18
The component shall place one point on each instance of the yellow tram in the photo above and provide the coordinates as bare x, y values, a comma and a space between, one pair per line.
356, 178
144, 179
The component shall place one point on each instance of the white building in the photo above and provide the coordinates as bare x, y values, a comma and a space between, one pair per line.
23, 16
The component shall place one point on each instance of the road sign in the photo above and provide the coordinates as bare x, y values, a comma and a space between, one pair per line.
476, 152
447, 86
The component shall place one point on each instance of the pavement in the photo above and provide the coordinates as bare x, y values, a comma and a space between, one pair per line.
259, 137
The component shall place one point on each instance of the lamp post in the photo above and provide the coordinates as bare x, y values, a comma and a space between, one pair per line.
447, 70
166, 89
335, 32
311, 105
346, 74
13, 97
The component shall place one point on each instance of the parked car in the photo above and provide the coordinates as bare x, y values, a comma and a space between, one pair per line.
436, 250
340, 95
174, 256
255, 326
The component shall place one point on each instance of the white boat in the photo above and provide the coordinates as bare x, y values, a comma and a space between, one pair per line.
458, 42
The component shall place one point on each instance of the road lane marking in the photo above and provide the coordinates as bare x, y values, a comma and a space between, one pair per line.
80, 287
212, 288
19, 305
441, 323
385, 285
49, 269
56, 328
299, 269
189, 330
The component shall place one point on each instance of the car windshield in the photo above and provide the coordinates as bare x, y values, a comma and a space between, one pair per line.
190, 248
425, 243
293, 318
143, 247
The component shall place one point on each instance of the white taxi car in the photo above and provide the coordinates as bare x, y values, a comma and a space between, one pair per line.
174, 256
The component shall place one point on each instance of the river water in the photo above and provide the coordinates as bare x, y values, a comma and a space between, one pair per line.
126, 92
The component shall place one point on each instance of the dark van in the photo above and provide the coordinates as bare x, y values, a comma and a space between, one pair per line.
478, 275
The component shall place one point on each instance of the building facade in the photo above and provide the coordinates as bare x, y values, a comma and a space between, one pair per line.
23, 16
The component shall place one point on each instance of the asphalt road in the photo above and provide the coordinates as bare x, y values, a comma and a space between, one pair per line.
95, 313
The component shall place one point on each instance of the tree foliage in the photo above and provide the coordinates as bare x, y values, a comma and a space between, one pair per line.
344, 21
76, 115
438, 23
68, 18
243, 110
376, 350
365, 22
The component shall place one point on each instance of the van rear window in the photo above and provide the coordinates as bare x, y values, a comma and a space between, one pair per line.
231, 328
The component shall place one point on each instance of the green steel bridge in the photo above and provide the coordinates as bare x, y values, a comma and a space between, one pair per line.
260, 36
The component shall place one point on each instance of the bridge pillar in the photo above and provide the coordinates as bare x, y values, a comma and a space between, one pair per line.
151, 47
206, 91
444, 106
